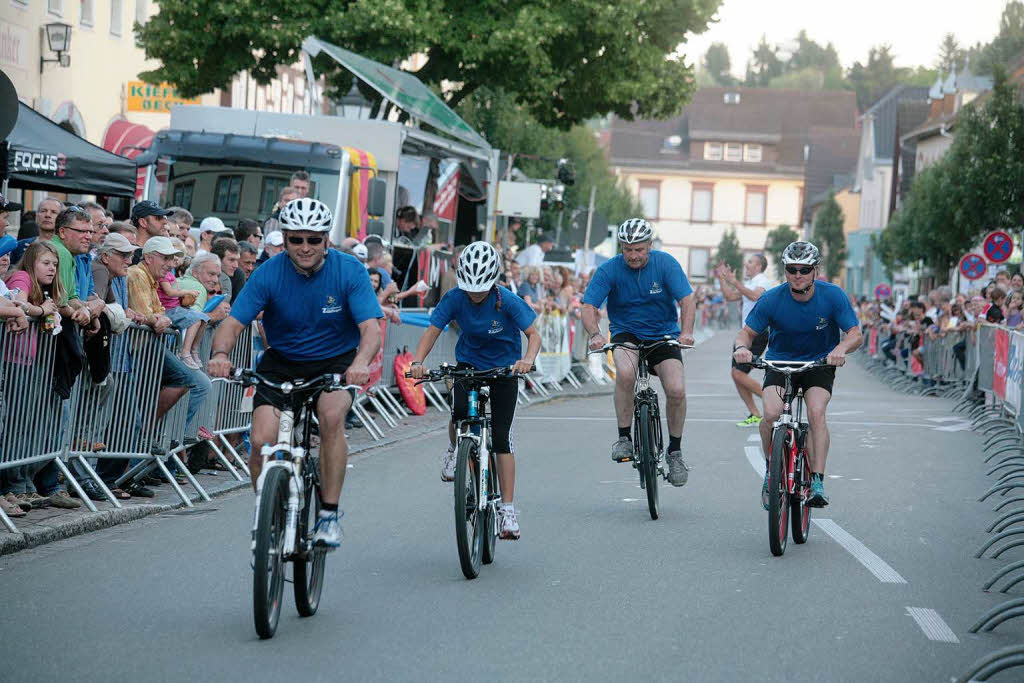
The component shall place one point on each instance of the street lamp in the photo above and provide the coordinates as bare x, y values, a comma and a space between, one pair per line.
58, 37
354, 105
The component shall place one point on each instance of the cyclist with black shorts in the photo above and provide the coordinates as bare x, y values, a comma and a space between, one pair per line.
491, 320
320, 317
806, 317
750, 290
643, 288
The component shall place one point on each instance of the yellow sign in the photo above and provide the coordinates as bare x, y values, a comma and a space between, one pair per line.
140, 96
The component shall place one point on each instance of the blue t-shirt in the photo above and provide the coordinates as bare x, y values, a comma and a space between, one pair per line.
802, 331
488, 338
309, 317
643, 301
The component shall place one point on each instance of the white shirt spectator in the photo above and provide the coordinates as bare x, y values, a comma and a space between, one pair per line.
760, 280
533, 255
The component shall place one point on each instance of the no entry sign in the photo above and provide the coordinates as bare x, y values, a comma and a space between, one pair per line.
883, 291
998, 246
973, 266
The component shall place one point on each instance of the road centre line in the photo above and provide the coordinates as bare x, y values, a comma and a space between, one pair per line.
873, 563
933, 625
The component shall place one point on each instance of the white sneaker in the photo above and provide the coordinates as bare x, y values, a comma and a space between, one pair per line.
327, 531
508, 525
448, 465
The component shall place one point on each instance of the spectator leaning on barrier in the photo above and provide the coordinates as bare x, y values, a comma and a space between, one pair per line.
74, 230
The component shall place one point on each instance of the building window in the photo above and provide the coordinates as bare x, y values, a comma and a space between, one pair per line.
85, 16
752, 153
699, 258
54, 7
701, 202
183, 195
116, 14
733, 151
757, 196
650, 197
141, 11
271, 191
712, 151
227, 194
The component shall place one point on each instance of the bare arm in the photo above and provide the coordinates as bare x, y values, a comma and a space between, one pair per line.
369, 342
427, 342
223, 342
741, 346
688, 312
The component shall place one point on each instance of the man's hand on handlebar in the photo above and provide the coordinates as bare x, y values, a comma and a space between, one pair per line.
219, 366
358, 373
685, 339
523, 367
836, 357
418, 371
743, 355
597, 341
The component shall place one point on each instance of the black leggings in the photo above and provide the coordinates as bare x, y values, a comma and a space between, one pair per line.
504, 393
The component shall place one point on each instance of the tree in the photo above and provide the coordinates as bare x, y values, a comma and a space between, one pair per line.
1008, 43
718, 65
728, 251
950, 54
829, 235
564, 62
764, 65
776, 241
871, 80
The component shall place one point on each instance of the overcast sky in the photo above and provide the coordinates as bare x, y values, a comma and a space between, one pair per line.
914, 28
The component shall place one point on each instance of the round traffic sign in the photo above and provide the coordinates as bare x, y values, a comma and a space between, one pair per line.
883, 291
973, 266
998, 246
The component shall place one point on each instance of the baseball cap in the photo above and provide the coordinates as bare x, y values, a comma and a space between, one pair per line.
274, 239
544, 238
359, 251
160, 245
9, 206
115, 241
211, 224
148, 208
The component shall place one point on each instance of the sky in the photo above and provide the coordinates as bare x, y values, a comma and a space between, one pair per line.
914, 28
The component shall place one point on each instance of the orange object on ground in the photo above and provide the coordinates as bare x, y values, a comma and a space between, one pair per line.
411, 393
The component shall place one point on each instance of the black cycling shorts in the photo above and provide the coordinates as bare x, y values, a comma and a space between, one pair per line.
277, 368
662, 353
757, 347
504, 394
823, 377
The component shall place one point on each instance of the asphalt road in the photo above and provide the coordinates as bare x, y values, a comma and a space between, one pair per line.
594, 590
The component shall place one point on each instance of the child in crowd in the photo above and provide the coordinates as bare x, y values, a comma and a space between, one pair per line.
176, 303
1014, 317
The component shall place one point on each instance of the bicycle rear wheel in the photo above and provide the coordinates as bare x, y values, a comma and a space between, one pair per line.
490, 512
648, 459
309, 569
798, 508
268, 565
778, 498
469, 522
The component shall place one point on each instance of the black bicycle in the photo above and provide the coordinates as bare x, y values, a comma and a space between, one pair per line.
288, 502
648, 444
789, 476
477, 486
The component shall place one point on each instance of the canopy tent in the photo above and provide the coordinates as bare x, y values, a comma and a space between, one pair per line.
129, 139
40, 155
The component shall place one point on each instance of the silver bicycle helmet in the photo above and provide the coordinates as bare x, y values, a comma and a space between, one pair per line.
305, 214
635, 230
479, 267
802, 254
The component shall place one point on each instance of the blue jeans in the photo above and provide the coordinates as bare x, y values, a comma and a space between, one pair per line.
177, 374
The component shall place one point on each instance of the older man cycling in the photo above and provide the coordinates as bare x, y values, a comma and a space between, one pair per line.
320, 316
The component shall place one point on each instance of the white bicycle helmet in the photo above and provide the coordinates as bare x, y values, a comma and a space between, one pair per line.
479, 268
305, 214
801, 254
635, 230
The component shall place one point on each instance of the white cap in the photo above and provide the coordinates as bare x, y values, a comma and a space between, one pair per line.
359, 251
211, 224
274, 239
160, 245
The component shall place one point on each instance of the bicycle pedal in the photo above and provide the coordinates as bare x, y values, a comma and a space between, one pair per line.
626, 459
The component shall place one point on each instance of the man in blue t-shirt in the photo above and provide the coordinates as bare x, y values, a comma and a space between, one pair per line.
805, 317
643, 288
320, 317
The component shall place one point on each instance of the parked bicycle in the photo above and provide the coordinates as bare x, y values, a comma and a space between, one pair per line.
477, 486
648, 444
288, 502
789, 484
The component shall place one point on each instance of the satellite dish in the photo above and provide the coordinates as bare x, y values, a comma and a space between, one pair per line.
8, 106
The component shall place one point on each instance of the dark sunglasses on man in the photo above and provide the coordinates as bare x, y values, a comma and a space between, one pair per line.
803, 270
312, 241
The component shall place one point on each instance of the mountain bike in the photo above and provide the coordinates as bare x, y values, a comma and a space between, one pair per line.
789, 475
648, 444
477, 486
288, 502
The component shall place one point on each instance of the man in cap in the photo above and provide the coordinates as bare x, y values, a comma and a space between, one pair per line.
6, 208
273, 244
533, 255
150, 221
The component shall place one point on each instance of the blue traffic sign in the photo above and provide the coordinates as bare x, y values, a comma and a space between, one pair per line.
998, 246
973, 266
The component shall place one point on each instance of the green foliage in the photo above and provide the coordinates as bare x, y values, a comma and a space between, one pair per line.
1008, 43
829, 236
764, 65
775, 242
564, 62
729, 252
717, 64
950, 54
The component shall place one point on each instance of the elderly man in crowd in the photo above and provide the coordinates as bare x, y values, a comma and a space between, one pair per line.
100, 224
203, 278
150, 221
226, 249
46, 217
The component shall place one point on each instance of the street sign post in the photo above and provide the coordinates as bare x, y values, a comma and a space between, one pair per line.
973, 266
998, 246
882, 291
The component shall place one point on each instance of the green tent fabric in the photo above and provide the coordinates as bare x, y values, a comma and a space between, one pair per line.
402, 88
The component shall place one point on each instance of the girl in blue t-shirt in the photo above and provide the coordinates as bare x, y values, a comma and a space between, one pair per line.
490, 320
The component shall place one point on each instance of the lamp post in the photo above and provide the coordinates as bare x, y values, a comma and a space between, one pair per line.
58, 37
354, 105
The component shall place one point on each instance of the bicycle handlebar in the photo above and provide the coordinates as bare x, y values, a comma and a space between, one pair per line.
647, 346
327, 382
788, 367
446, 371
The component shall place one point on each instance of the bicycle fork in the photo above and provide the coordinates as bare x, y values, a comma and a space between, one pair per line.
271, 459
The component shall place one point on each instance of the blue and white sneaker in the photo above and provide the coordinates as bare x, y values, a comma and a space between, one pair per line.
327, 532
818, 499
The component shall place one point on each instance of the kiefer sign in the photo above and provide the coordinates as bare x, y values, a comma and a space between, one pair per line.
141, 96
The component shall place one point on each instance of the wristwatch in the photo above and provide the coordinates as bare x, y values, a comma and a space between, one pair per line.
741, 346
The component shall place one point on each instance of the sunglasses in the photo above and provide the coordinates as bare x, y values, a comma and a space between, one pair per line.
68, 227
805, 270
312, 241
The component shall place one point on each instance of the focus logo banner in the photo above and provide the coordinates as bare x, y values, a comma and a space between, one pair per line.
41, 163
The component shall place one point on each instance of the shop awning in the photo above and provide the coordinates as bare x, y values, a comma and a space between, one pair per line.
129, 139
40, 155
402, 88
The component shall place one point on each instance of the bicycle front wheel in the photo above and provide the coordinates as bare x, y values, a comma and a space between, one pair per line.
649, 459
309, 566
798, 508
778, 493
268, 564
490, 520
469, 521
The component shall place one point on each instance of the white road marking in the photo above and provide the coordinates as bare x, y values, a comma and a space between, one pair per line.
630, 500
960, 426
835, 476
932, 624
756, 458
581, 418
846, 412
873, 563
754, 437
948, 418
